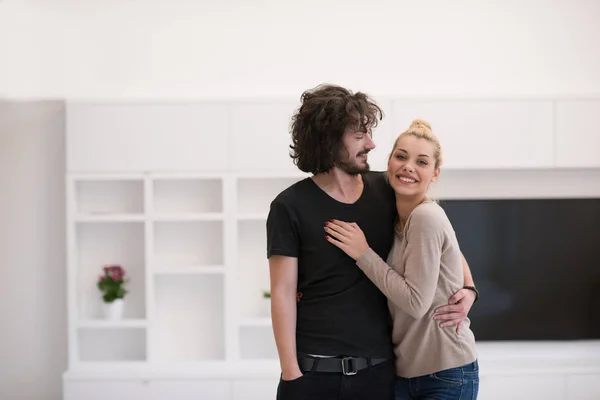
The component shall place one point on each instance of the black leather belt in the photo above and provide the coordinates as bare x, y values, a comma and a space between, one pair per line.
345, 365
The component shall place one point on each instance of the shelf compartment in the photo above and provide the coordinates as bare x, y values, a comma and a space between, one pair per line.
189, 217
256, 322
257, 343
253, 217
198, 243
188, 196
110, 243
189, 318
254, 195
105, 198
252, 269
109, 324
112, 344
191, 270
110, 218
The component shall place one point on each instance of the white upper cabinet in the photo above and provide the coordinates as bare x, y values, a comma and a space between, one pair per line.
485, 134
578, 134
247, 137
128, 137
383, 138
261, 137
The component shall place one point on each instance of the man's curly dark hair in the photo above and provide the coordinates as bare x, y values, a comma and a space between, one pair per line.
317, 127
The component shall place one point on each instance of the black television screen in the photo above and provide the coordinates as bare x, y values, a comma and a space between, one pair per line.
536, 264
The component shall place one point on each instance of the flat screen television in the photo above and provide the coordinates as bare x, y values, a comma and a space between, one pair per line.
536, 263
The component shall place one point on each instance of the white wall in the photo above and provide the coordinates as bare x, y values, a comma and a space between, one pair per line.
33, 343
248, 48
151, 49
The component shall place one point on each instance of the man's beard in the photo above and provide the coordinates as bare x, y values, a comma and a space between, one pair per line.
351, 167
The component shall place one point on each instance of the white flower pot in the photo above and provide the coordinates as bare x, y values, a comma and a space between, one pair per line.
266, 307
114, 311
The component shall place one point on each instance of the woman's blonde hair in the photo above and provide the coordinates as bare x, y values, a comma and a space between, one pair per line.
421, 129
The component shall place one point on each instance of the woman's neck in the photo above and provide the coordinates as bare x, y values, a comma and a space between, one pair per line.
405, 205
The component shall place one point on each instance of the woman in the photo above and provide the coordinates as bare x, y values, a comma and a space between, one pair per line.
422, 271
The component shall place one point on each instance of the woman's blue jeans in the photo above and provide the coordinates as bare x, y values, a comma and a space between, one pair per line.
450, 384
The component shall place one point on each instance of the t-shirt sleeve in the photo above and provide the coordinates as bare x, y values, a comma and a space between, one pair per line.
282, 232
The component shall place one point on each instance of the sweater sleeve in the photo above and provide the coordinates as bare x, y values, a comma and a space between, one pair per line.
414, 292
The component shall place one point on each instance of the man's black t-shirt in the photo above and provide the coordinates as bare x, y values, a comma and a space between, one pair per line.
340, 311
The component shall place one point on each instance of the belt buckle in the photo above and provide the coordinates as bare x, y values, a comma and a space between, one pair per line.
348, 362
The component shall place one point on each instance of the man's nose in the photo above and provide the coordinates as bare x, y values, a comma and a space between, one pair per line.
370, 143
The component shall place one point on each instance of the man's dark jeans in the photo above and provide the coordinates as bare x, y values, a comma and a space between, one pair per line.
373, 383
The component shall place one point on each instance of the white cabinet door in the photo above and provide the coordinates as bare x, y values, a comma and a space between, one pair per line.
261, 137
255, 389
583, 387
485, 134
181, 389
95, 389
522, 387
578, 134
155, 389
383, 137
124, 137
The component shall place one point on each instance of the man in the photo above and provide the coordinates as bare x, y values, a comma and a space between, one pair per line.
331, 324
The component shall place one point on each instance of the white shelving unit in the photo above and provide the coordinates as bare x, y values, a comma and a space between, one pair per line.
178, 193
254, 195
194, 249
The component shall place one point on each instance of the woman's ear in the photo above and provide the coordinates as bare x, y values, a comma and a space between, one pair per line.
436, 174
